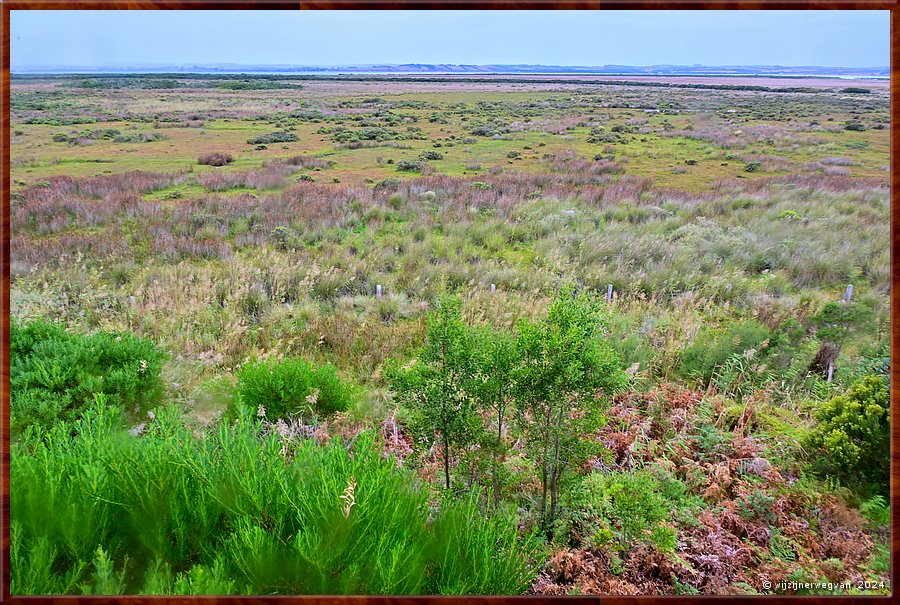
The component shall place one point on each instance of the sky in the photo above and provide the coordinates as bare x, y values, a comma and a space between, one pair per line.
119, 39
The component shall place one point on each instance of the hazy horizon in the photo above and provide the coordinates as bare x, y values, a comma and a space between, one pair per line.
48, 40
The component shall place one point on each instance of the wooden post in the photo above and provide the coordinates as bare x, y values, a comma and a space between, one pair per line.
830, 370
849, 293
493, 288
609, 293
132, 300
378, 291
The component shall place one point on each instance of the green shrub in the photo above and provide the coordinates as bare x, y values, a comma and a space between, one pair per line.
752, 166
789, 215
55, 374
100, 512
292, 387
877, 510
852, 438
409, 166
622, 510
431, 155
281, 136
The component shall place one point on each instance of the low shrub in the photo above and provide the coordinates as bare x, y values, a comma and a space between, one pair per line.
753, 166
409, 166
55, 374
140, 137
621, 510
852, 437
291, 387
711, 349
281, 136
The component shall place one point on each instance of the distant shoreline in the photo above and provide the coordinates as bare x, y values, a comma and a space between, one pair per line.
412, 69
760, 82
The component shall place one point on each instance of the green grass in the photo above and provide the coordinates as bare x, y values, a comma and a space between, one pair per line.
105, 513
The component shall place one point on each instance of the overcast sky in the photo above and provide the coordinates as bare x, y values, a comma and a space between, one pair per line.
87, 38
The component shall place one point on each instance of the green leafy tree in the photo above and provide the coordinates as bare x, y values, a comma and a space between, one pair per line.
837, 321
563, 364
437, 386
494, 356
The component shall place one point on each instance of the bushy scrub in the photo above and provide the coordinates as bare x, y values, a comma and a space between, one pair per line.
214, 159
97, 511
622, 510
55, 374
712, 348
281, 136
852, 437
292, 387
409, 166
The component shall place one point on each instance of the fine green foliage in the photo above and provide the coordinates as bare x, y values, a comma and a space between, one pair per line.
102, 512
853, 435
877, 510
55, 374
837, 321
622, 510
291, 387
712, 349
466, 538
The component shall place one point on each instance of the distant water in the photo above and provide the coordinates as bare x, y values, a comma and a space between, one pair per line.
338, 72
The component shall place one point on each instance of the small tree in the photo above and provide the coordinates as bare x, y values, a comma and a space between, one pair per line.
562, 366
494, 356
436, 387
